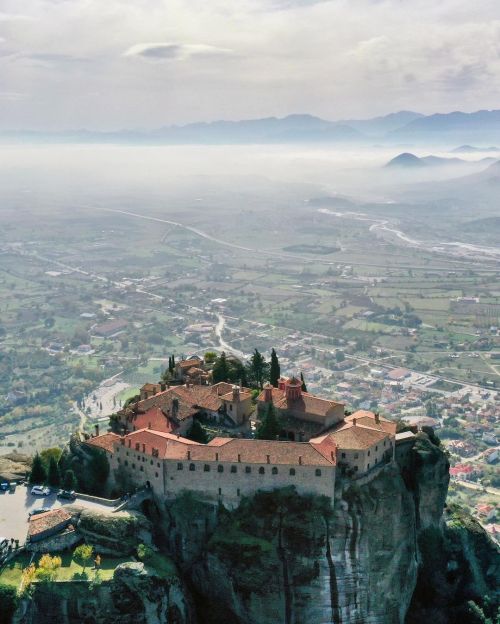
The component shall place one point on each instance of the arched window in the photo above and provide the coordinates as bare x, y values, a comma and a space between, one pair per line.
292, 472
274, 470
192, 467
317, 472
234, 469
248, 469
220, 468
261, 470
180, 466
206, 468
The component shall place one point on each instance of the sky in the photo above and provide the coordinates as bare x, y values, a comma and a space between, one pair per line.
111, 64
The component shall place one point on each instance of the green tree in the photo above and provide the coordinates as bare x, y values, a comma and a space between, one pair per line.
38, 473
83, 555
171, 364
210, 357
303, 384
69, 481
8, 603
269, 426
258, 368
274, 370
53, 474
220, 371
197, 432
144, 552
339, 355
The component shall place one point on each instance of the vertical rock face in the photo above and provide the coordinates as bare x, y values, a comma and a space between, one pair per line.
357, 564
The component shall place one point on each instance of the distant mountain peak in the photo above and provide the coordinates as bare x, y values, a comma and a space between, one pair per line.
406, 159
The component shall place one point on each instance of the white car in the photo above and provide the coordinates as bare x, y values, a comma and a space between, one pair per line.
39, 490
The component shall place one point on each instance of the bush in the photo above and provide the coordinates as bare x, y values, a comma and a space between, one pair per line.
8, 603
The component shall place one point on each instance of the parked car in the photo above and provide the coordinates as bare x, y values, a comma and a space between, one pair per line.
68, 494
4, 486
35, 512
12, 486
39, 490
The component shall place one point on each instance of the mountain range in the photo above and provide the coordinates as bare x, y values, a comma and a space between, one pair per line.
481, 127
407, 160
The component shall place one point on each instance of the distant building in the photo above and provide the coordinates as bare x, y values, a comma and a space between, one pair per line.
398, 374
109, 328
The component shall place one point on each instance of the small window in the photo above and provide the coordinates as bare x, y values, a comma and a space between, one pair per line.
180, 466
292, 472
343, 455
118, 459
317, 472
356, 455
368, 467
141, 468
385, 442
238, 492
133, 465
368, 453
126, 463
127, 453
158, 464
234, 469
376, 448
230, 407
274, 470
206, 468
156, 475
261, 470
151, 462
220, 491
192, 467
220, 468
248, 469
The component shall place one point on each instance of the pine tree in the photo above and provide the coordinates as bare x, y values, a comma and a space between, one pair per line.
269, 427
171, 364
220, 371
53, 474
274, 372
37, 474
303, 386
69, 480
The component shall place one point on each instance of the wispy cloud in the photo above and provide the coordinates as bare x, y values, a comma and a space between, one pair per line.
174, 51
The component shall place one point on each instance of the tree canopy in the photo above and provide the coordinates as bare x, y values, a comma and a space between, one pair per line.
269, 427
38, 473
274, 369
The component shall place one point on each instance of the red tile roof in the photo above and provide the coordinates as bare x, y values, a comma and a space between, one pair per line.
168, 445
368, 419
306, 404
48, 521
353, 437
104, 441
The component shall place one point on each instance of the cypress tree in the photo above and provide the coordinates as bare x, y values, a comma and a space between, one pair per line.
274, 371
53, 474
197, 432
303, 386
37, 474
269, 427
220, 371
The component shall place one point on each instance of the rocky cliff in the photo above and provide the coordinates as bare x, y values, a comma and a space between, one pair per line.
281, 558
134, 596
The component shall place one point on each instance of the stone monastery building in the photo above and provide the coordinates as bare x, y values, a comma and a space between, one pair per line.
227, 468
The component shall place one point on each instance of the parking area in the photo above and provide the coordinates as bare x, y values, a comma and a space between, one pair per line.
16, 506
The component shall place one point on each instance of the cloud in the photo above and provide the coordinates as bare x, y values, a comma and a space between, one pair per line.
174, 51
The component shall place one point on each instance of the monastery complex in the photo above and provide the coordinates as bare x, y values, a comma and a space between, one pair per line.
148, 447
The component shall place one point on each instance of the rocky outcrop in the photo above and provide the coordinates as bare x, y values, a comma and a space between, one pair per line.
134, 596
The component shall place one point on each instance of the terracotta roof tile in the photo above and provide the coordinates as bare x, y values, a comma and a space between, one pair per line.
354, 437
48, 520
104, 441
307, 403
